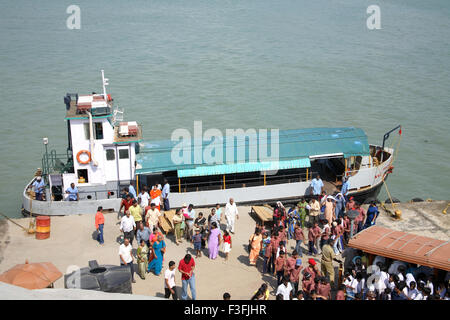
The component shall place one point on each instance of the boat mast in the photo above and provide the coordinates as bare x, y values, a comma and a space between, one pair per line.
105, 83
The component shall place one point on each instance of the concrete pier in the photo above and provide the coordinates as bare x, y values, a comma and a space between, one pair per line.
71, 243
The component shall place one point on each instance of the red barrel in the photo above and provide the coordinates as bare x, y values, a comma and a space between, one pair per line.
42, 227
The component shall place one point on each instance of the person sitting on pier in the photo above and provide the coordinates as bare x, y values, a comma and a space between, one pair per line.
72, 191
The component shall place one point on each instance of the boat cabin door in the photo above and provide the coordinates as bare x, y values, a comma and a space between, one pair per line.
124, 163
111, 164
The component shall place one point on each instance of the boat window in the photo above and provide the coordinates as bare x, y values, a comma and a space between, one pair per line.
98, 126
82, 176
97, 130
123, 154
110, 154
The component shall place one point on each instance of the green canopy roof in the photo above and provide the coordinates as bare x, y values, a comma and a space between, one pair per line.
296, 148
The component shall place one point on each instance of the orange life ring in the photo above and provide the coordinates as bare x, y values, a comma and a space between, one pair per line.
80, 153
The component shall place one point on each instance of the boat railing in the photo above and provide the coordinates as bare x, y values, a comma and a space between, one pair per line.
54, 162
217, 183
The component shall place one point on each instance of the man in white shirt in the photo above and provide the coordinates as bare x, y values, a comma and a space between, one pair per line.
126, 257
231, 214
144, 198
412, 292
165, 195
169, 282
128, 226
285, 289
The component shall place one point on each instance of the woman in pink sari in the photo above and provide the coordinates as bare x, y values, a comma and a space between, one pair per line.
214, 241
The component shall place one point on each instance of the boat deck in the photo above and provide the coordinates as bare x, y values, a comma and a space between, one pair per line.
127, 139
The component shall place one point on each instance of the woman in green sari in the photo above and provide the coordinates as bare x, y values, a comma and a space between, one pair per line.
142, 259
178, 223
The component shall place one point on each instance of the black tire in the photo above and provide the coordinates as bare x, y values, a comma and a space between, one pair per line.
394, 200
370, 200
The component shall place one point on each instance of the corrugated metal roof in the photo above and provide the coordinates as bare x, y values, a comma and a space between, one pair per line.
296, 144
403, 246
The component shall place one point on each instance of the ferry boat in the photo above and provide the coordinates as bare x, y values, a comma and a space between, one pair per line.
106, 154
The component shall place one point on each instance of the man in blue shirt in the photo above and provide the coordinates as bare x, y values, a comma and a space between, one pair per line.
165, 195
72, 191
317, 185
143, 234
132, 191
372, 214
38, 187
345, 187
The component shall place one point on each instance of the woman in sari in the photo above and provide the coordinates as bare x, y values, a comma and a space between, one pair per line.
142, 258
255, 246
159, 247
155, 195
177, 221
214, 241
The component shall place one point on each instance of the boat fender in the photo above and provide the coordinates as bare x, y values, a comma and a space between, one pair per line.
394, 200
80, 153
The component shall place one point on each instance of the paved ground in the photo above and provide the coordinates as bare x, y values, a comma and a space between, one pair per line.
72, 243
422, 218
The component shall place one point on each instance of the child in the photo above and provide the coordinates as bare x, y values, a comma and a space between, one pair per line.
282, 235
311, 239
340, 295
279, 267
197, 240
227, 245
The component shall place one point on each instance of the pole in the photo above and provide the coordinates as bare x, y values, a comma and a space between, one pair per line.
351, 228
179, 185
264, 178
104, 85
137, 184
223, 182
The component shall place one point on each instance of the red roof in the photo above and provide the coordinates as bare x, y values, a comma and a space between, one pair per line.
403, 246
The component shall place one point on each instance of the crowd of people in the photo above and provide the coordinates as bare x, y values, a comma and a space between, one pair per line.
319, 229
328, 231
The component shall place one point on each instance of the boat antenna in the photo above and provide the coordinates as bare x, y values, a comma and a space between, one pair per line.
105, 83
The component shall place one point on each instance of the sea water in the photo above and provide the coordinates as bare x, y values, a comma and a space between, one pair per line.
232, 64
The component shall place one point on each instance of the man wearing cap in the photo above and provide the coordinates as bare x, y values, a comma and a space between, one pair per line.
38, 188
312, 269
307, 283
326, 264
